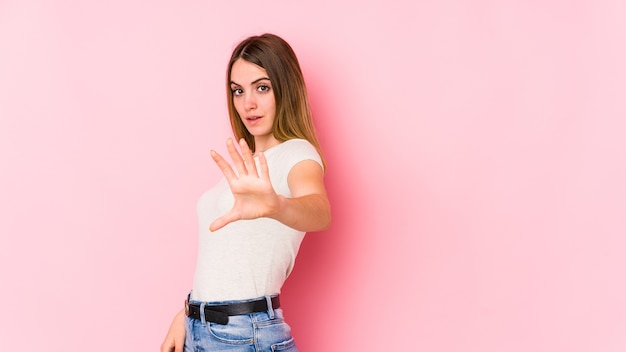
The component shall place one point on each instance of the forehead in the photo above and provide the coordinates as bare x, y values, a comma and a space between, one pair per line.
245, 72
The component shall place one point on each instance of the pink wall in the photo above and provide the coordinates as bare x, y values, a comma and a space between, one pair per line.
477, 168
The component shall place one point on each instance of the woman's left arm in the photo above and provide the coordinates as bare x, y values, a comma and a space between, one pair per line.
308, 209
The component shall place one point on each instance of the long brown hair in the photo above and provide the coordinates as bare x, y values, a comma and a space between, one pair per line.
293, 117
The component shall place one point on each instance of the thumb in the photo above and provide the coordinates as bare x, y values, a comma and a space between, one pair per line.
223, 221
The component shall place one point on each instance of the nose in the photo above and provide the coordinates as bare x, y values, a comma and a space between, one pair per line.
249, 101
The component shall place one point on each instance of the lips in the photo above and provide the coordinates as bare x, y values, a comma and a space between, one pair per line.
253, 119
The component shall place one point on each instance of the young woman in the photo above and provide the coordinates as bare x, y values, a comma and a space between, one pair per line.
252, 222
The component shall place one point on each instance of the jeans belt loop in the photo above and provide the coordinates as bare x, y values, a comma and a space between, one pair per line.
270, 309
202, 315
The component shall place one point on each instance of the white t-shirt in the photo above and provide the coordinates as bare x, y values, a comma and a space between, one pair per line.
248, 258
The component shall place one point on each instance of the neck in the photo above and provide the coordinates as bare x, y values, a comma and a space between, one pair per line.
262, 144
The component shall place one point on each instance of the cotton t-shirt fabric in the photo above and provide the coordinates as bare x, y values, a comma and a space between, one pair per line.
248, 258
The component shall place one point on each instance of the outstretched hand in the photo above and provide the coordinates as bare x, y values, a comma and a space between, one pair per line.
253, 192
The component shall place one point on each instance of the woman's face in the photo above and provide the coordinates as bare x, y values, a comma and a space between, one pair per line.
253, 98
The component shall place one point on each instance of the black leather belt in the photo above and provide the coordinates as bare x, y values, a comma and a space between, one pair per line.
219, 313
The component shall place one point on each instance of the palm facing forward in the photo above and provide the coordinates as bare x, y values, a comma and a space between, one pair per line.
253, 192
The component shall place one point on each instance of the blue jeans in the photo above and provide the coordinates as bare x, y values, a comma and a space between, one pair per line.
255, 332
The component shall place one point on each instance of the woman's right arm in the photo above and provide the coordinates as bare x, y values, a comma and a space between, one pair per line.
175, 339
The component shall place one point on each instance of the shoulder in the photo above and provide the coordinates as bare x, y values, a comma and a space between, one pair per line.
293, 151
296, 147
298, 143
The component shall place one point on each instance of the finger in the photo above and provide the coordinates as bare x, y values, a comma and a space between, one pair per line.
224, 166
223, 220
180, 345
248, 158
167, 346
265, 171
236, 157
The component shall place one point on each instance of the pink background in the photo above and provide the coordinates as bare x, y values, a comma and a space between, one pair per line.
476, 153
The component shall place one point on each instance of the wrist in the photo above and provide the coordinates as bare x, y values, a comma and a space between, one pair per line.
279, 206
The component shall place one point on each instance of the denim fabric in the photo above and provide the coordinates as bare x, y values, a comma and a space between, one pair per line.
256, 332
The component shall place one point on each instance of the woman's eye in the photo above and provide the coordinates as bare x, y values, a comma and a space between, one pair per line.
237, 91
263, 88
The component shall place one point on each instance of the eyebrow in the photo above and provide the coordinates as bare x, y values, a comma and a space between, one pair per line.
253, 82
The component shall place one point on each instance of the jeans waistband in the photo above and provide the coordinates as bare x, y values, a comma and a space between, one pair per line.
218, 313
